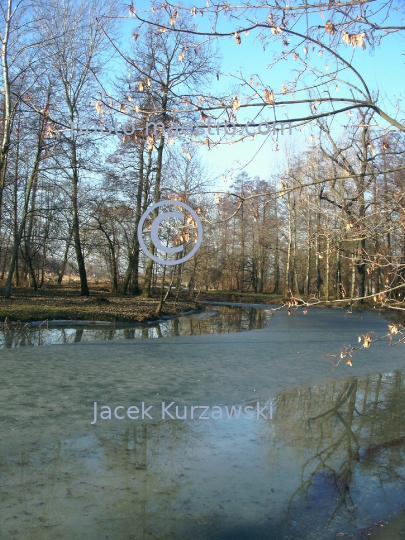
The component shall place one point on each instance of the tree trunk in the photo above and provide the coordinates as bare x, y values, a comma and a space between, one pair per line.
74, 207
62, 270
146, 290
31, 181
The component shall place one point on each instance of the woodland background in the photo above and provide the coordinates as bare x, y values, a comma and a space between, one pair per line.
329, 224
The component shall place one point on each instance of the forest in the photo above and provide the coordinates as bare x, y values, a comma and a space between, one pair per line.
86, 148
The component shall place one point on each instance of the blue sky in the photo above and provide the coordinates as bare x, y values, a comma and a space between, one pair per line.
382, 69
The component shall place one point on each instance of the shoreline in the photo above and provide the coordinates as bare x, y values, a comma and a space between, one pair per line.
61, 306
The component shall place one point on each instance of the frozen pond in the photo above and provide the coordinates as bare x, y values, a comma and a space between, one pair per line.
315, 453
214, 320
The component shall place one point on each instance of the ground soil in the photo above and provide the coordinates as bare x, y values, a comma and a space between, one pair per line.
65, 303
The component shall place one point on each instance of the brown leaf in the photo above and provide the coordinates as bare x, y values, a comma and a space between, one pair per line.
269, 96
99, 107
330, 28
354, 39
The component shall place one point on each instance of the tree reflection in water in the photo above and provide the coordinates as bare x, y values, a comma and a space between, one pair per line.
331, 460
220, 321
341, 435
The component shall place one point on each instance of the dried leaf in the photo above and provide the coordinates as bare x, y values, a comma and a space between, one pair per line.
99, 108
269, 96
236, 104
49, 131
354, 39
330, 28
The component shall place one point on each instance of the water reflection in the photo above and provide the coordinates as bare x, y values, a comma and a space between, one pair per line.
330, 463
215, 321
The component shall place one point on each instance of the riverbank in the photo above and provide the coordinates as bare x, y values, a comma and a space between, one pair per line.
65, 303
56, 303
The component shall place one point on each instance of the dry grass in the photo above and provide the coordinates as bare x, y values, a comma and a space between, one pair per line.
64, 303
